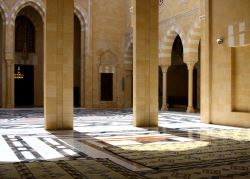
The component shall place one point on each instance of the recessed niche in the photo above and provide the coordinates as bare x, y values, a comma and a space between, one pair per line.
241, 79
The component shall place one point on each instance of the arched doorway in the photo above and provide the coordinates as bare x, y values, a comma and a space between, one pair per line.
196, 79
160, 89
77, 62
1, 58
177, 78
79, 58
28, 58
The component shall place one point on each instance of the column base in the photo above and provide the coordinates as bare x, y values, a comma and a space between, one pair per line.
10, 106
190, 109
164, 107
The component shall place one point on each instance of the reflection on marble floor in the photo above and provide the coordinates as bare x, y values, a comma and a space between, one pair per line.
23, 138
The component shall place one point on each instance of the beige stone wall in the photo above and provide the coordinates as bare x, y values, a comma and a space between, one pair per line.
225, 67
104, 25
128, 13
108, 21
1, 59
172, 8
178, 17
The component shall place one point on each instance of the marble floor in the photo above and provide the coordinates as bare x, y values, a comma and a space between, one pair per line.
23, 138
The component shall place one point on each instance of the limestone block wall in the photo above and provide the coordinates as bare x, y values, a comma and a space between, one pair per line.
103, 27
178, 17
107, 33
225, 67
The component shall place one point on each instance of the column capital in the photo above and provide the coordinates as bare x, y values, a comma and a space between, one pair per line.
164, 68
190, 65
9, 56
9, 61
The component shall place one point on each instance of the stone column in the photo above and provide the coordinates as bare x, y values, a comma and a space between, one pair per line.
10, 83
58, 65
198, 84
164, 88
10, 62
82, 83
145, 65
190, 108
89, 62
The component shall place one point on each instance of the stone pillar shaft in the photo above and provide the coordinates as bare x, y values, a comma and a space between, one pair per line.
58, 65
145, 65
82, 83
10, 83
9, 101
164, 88
190, 108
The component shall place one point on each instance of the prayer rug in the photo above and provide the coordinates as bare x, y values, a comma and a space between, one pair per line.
66, 169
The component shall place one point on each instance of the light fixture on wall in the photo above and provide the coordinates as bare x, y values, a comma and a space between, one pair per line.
19, 75
220, 40
25, 54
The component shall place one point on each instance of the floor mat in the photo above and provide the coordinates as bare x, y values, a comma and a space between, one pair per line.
227, 148
66, 169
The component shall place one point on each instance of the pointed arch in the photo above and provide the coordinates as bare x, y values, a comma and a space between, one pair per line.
3, 11
82, 16
167, 43
37, 5
108, 57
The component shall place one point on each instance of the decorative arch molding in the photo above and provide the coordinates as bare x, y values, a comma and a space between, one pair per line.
108, 62
128, 56
167, 42
108, 66
3, 11
82, 16
35, 19
129, 39
191, 50
36, 4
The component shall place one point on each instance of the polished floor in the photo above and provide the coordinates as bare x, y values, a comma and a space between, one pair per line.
105, 134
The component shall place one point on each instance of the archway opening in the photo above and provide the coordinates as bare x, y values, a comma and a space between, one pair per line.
177, 78
24, 78
160, 89
77, 62
196, 79
28, 58
106, 86
1, 59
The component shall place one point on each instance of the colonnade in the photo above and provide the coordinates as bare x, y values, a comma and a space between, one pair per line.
190, 67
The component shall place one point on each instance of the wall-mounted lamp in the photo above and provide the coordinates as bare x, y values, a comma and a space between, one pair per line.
220, 40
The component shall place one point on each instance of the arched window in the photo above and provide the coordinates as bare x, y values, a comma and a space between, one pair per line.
25, 35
